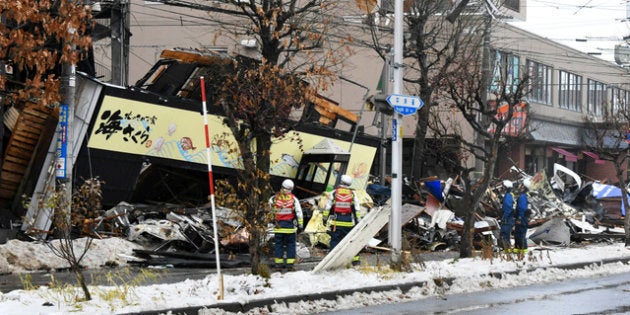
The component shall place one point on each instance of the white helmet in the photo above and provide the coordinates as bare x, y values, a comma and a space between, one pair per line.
346, 180
507, 183
287, 184
527, 183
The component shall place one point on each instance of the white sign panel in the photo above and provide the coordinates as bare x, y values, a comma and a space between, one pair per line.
405, 104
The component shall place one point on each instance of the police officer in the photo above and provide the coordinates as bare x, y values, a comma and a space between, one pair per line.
507, 219
522, 214
346, 212
288, 218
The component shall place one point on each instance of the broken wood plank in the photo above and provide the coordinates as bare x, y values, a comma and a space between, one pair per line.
334, 108
325, 113
188, 57
359, 236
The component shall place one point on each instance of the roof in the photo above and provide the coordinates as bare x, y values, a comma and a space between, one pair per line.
326, 146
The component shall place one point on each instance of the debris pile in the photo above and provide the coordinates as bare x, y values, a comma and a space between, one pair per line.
564, 209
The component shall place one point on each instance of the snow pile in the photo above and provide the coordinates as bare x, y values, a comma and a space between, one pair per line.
467, 275
17, 256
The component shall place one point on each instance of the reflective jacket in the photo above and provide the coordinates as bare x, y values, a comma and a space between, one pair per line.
286, 209
345, 205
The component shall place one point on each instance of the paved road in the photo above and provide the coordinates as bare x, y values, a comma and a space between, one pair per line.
102, 276
605, 295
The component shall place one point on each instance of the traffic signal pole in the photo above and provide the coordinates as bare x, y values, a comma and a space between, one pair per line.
395, 222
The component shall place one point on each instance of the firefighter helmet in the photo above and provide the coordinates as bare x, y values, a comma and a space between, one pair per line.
287, 184
346, 180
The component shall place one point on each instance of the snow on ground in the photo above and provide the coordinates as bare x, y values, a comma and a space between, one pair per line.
17, 256
471, 274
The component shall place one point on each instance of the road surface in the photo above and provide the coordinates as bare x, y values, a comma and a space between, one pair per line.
605, 295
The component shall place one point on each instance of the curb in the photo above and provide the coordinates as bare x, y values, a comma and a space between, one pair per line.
236, 307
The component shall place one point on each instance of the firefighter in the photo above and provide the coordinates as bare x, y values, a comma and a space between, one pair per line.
507, 219
522, 214
288, 220
345, 215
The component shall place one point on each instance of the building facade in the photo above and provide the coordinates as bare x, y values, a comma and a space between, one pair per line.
568, 84
566, 88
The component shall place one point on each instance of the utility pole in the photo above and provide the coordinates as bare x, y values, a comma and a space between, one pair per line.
65, 143
384, 87
120, 43
486, 75
395, 221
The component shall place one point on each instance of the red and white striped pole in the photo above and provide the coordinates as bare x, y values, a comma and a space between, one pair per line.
211, 182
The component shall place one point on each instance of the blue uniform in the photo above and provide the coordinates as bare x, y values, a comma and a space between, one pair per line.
522, 221
507, 220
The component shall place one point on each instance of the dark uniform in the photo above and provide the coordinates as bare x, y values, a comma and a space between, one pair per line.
507, 219
522, 214
288, 217
345, 214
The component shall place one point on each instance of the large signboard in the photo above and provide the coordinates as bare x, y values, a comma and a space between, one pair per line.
141, 128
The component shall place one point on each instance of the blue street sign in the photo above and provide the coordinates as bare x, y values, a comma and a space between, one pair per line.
405, 104
61, 152
394, 129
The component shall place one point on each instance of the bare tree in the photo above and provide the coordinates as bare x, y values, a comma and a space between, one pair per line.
86, 203
486, 110
295, 43
436, 37
265, 96
608, 136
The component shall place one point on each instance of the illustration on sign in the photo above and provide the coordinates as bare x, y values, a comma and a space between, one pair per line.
145, 129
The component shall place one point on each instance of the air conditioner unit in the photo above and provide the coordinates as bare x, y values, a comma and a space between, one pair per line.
622, 54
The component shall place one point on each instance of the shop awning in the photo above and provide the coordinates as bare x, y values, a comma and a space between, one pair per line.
555, 133
568, 156
595, 157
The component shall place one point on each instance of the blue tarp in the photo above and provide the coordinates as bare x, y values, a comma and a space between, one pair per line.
601, 191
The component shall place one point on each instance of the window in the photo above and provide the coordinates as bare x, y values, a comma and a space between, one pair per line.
596, 97
512, 5
618, 99
505, 73
570, 91
540, 82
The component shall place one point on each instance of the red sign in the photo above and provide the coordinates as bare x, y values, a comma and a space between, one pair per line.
516, 126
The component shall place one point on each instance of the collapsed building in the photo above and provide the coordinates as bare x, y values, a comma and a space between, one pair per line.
144, 132
565, 211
